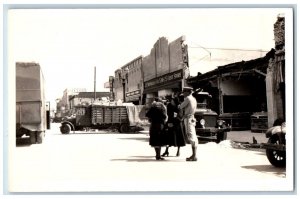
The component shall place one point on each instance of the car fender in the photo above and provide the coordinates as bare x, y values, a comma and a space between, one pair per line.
70, 123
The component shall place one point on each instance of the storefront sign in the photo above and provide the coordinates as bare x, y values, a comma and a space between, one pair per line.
176, 75
133, 96
137, 92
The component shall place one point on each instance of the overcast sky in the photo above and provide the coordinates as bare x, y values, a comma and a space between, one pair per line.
68, 44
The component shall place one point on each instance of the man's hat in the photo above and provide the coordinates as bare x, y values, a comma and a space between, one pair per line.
188, 89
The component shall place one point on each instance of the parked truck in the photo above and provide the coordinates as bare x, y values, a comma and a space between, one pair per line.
32, 110
102, 117
208, 124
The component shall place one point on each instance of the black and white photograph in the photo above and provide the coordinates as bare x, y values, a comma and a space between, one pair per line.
149, 99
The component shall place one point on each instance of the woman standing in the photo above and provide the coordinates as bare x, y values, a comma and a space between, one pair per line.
157, 116
175, 135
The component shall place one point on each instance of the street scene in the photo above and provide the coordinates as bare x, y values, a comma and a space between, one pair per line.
159, 100
109, 161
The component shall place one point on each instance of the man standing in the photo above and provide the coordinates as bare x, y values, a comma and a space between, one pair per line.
188, 108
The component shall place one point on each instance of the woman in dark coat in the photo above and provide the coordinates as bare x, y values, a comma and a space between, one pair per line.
157, 116
175, 135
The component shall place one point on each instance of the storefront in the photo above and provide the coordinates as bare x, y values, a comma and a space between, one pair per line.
238, 90
134, 97
165, 85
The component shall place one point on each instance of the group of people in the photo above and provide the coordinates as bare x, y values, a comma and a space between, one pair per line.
173, 124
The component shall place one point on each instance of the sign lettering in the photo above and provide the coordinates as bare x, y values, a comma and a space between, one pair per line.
177, 75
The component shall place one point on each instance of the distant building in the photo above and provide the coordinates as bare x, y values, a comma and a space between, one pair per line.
87, 98
64, 104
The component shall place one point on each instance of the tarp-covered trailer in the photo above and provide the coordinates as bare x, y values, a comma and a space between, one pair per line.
31, 107
101, 117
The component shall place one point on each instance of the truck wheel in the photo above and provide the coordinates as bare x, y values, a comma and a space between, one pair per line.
40, 137
276, 158
32, 137
65, 129
124, 128
221, 136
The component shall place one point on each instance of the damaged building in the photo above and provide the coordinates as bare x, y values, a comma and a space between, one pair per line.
249, 94
275, 81
238, 90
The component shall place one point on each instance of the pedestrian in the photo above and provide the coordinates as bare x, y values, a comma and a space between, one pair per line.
174, 132
188, 108
157, 115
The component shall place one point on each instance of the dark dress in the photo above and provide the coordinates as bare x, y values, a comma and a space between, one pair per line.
175, 135
157, 116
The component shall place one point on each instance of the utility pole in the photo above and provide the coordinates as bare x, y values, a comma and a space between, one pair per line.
94, 83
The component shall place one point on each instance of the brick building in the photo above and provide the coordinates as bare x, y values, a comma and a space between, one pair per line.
161, 73
128, 82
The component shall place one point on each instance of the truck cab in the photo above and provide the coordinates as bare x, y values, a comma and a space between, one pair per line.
208, 124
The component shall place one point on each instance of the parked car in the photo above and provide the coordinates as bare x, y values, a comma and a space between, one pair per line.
208, 124
276, 146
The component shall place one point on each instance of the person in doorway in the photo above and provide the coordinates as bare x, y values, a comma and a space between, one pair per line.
174, 133
157, 115
188, 108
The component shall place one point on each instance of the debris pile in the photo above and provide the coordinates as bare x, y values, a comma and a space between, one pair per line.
239, 145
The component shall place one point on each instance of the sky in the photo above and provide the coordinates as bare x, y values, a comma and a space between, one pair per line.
69, 43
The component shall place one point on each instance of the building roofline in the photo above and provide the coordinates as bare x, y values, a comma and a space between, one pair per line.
232, 68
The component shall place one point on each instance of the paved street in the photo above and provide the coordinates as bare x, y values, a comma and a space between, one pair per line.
109, 161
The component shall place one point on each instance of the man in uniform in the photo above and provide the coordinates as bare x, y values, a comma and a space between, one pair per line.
188, 108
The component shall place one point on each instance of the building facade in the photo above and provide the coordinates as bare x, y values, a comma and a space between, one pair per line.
65, 104
128, 82
161, 73
250, 93
238, 90
275, 80
165, 69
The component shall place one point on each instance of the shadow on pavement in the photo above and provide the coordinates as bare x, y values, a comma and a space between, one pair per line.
23, 142
148, 159
281, 172
83, 133
146, 139
97, 132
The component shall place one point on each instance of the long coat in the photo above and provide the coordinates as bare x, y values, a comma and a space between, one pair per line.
157, 116
175, 136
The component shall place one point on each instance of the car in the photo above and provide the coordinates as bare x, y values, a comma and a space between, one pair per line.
276, 146
208, 124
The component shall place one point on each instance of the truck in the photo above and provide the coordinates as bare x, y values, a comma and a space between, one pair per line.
102, 117
32, 110
208, 124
